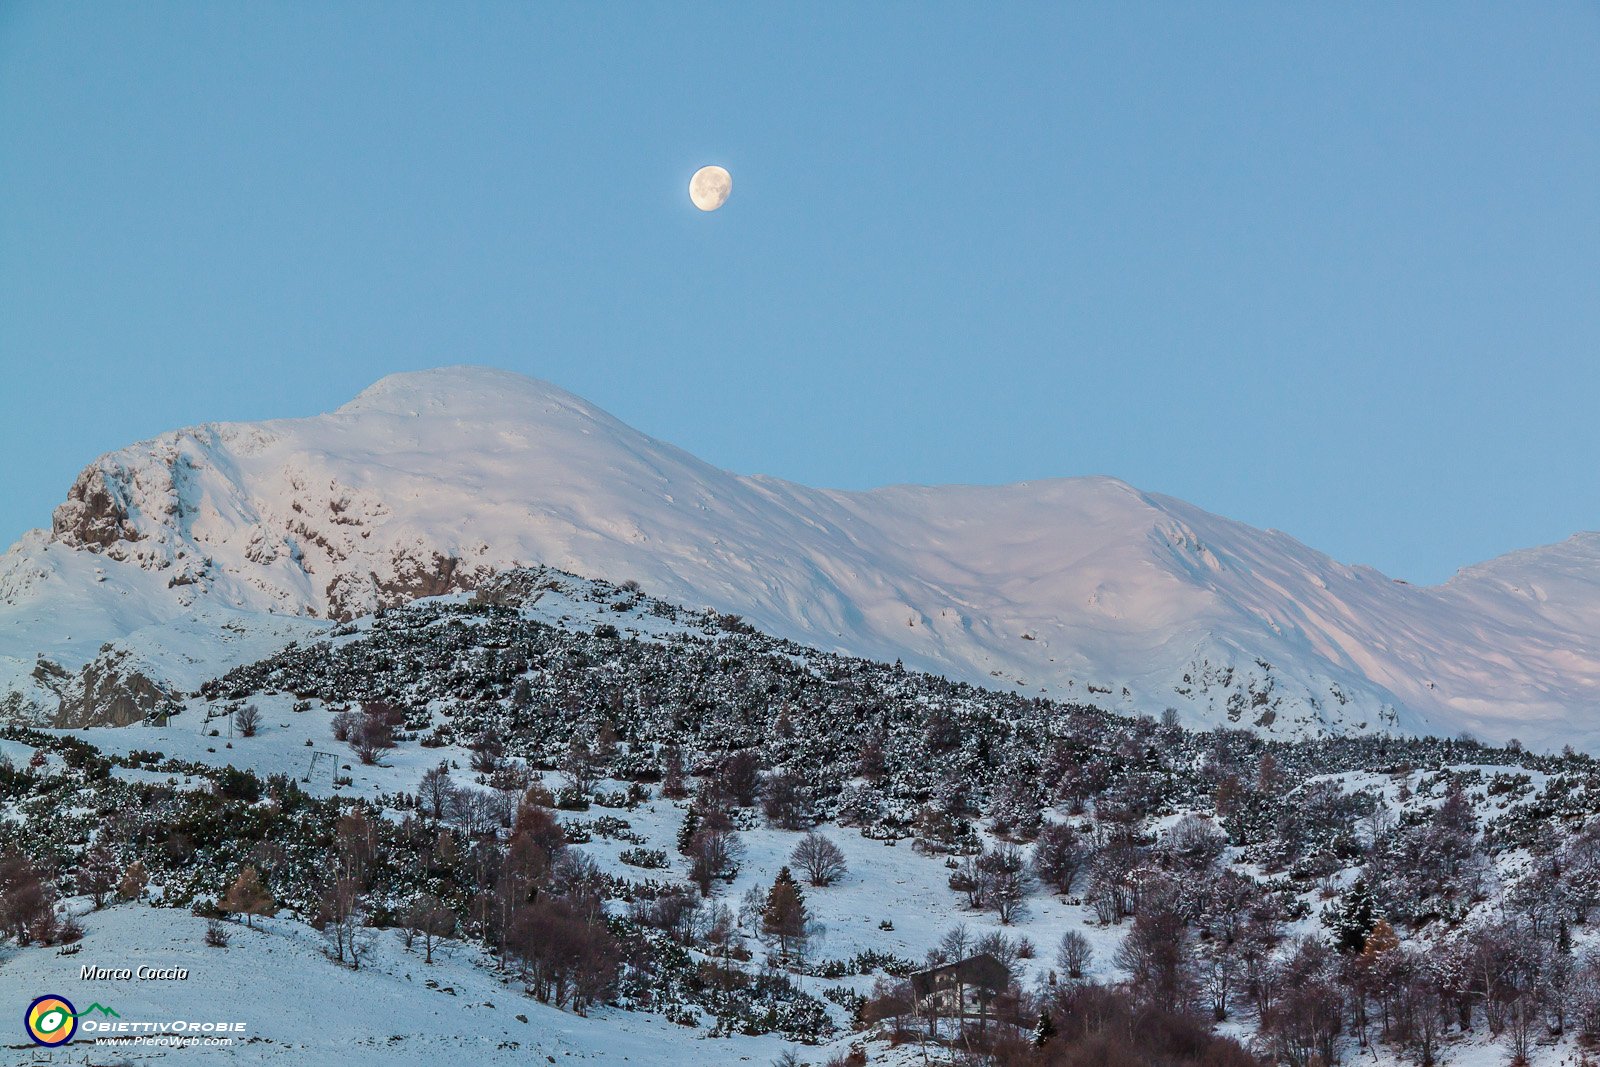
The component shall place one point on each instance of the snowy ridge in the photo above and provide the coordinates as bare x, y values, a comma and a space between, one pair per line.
1083, 589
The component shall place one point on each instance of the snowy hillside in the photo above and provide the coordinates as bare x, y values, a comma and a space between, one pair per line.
393, 1011
1081, 589
577, 754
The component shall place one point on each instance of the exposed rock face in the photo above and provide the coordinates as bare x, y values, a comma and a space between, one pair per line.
109, 693
439, 575
433, 574
51, 675
518, 588
95, 514
239, 512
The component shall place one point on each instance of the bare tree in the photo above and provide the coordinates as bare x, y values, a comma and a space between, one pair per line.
819, 859
1585, 997
1005, 877
1218, 971
428, 919
1309, 1013
1058, 857
713, 855
1111, 890
1194, 844
565, 957
27, 899
784, 800
1522, 1019
1378, 824
968, 879
97, 873
739, 777
1075, 955
247, 720
355, 847
436, 790
1004, 950
339, 916
473, 811
1419, 1016
1156, 956
374, 731
956, 944
579, 765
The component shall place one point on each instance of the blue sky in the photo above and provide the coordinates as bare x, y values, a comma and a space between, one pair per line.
1333, 269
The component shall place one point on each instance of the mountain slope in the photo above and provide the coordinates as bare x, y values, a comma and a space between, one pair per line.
1081, 588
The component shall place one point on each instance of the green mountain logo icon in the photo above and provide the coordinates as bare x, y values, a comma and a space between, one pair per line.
101, 1008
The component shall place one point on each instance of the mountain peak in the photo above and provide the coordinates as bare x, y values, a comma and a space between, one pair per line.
465, 390
1088, 589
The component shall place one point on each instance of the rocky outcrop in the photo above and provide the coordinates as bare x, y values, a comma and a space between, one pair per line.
110, 692
95, 514
413, 575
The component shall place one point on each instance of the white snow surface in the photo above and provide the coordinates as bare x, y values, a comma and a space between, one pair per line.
1082, 588
299, 1008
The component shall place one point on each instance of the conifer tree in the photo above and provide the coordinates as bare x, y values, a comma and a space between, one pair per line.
1044, 1031
785, 917
248, 897
686, 832
134, 879
1352, 919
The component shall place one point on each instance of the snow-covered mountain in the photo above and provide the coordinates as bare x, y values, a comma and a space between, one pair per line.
175, 558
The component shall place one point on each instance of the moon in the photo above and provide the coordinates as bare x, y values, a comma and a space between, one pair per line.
709, 188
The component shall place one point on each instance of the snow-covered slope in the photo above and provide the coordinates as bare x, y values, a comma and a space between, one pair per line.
396, 1010
1082, 588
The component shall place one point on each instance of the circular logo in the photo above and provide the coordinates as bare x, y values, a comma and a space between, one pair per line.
51, 1020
